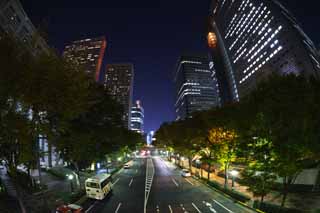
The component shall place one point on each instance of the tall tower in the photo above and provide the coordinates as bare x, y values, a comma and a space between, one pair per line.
196, 85
87, 53
119, 82
257, 38
137, 117
14, 21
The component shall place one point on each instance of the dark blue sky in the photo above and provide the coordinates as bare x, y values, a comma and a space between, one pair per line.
151, 34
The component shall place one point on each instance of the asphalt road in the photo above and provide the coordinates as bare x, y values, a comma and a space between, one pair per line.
169, 193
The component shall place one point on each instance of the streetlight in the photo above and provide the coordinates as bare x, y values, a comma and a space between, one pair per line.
234, 173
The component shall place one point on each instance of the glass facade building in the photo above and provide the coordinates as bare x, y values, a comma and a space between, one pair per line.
14, 21
137, 117
87, 53
119, 82
195, 84
257, 38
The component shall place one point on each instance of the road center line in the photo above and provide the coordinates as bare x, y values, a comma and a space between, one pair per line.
222, 206
189, 181
194, 206
170, 209
118, 208
174, 181
130, 182
115, 182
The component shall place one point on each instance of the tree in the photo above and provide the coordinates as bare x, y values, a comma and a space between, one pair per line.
285, 102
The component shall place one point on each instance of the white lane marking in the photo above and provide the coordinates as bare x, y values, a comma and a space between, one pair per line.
222, 206
115, 182
88, 210
118, 208
174, 181
210, 206
194, 206
130, 182
189, 181
170, 209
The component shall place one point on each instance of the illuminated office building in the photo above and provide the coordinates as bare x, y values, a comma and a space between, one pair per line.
137, 117
257, 38
87, 53
195, 84
119, 82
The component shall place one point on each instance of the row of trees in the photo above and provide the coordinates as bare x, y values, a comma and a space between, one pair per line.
273, 132
47, 96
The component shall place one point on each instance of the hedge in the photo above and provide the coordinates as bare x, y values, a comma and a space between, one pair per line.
232, 193
272, 208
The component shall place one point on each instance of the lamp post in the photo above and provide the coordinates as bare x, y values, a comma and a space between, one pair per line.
70, 178
234, 173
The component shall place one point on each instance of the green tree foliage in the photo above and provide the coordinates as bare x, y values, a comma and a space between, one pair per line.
276, 129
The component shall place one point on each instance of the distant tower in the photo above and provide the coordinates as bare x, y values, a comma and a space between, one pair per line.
137, 117
196, 85
119, 82
257, 38
87, 53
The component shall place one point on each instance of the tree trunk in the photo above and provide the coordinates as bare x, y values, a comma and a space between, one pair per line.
49, 153
209, 170
226, 176
284, 192
261, 200
190, 163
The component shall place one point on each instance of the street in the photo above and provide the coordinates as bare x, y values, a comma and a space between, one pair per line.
169, 192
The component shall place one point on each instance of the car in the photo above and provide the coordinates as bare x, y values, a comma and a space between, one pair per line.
185, 173
126, 166
71, 208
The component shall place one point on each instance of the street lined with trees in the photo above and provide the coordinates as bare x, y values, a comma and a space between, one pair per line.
272, 134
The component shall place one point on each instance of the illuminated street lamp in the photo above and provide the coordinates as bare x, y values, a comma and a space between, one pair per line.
70, 178
234, 173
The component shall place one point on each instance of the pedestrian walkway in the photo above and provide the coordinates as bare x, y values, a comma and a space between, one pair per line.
8, 184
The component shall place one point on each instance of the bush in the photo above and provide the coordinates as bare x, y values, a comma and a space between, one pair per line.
57, 173
232, 193
271, 208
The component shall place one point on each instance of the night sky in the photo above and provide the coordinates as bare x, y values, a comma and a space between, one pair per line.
151, 34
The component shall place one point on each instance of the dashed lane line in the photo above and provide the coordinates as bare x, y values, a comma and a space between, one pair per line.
89, 209
118, 208
131, 182
194, 206
175, 182
222, 206
189, 181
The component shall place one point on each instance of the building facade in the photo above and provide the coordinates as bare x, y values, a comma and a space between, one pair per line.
87, 53
195, 84
119, 82
137, 117
257, 38
14, 21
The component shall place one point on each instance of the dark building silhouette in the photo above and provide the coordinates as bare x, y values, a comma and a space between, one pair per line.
119, 82
256, 38
15, 22
195, 84
87, 53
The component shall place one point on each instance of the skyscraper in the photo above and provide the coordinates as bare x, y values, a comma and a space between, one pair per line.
257, 38
87, 53
137, 117
196, 85
119, 82
14, 21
